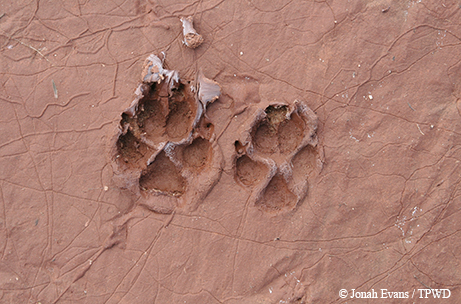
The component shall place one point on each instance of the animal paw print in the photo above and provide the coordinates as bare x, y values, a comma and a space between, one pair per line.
165, 151
277, 155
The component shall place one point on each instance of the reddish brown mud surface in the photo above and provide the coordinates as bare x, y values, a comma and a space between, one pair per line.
261, 200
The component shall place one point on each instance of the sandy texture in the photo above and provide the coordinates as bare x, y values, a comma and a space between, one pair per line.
331, 159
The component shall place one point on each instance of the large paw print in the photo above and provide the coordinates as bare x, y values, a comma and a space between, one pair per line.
277, 155
165, 151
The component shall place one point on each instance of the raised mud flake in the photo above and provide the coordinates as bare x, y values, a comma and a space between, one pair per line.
198, 153
250, 172
277, 196
192, 39
153, 72
208, 90
162, 175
